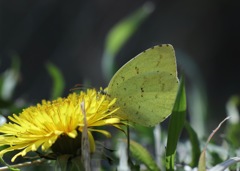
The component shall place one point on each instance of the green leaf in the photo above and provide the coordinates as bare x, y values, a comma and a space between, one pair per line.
233, 126
77, 164
202, 161
197, 97
119, 35
8, 80
176, 123
224, 165
62, 162
58, 80
195, 145
141, 154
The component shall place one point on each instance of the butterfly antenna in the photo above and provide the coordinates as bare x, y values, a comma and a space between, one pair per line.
78, 87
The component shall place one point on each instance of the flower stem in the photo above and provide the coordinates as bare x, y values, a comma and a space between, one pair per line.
35, 162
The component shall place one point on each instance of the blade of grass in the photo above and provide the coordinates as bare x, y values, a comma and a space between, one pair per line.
202, 159
9, 79
62, 162
233, 126
224, 165
176, 123
58, 80
141, 154
119, 35
195, 145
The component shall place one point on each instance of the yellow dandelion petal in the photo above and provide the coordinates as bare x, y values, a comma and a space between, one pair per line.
51, 122
22, 153
12, 148
72, 134
109, 121
91, 142
48, 143
104, 132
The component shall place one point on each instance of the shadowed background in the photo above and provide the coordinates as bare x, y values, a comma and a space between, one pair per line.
72, 34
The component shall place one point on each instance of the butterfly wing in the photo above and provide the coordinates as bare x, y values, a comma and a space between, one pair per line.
146, 86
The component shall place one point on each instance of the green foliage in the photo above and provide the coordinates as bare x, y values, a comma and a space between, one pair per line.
233, 127
9, 79
202, 159
226, 164
8, 82
58, 80
176, 124
202, 162
118, 36
67, 163
142, 155
194, 144
196, 93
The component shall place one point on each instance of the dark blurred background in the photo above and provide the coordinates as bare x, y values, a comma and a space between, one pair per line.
71, 35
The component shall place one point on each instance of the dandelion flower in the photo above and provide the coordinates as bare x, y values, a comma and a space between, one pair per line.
43, 125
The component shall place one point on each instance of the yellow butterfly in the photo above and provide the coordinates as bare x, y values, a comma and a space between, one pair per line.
146, 86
